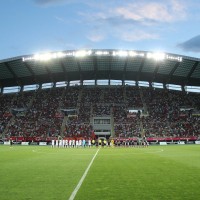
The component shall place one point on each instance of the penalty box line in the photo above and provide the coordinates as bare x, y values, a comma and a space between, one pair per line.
82, 178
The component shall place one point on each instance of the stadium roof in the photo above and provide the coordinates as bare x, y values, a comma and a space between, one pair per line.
100, 64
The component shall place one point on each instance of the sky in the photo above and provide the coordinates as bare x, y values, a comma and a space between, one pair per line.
38, 26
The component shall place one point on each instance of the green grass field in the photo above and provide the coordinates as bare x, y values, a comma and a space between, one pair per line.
43, 173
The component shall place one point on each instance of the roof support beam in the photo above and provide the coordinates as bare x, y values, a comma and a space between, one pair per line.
17, 80
49, 74
80, 72
109, 69
191, 72
172, 72
64, 71
95, 67
124, 71
155, 72
140, 69
32, 73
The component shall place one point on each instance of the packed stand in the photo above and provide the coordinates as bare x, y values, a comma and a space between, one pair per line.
42, 119
5, 112
170, 114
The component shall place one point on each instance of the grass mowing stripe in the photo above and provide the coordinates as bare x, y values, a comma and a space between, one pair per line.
82, 178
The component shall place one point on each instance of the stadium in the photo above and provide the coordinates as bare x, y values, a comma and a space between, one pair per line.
101, 95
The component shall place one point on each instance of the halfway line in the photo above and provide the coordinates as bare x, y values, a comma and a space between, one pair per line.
82, 178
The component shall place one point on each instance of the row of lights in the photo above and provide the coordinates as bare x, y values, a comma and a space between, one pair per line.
83, 53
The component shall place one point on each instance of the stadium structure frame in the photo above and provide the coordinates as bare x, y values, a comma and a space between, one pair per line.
107, 64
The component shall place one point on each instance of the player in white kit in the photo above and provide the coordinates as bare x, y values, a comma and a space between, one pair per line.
70, 143
77, 144
56, 143
60, 143
80, 143
73, 143
66, 143
52, 143
89, 143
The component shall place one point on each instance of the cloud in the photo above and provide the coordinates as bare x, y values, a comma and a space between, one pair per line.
51, 2
137, 35
192, 45
132, 20
96, 37
42, 2
170, 11
59, 19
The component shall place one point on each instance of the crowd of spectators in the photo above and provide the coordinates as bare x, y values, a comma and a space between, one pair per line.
40, 117
5, 111
39, 113
133, 98
74, 128
170, 113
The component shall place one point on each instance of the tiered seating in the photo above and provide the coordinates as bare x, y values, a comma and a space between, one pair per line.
75, 128
133, 97
5, 111
41, 119
170, 113
165, 116
127, 124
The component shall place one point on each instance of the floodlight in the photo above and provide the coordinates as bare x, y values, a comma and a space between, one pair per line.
82, 53
135, 53
46, 56
174, 58
42, 57
100, 53
120, 53
60, 54
156, 56
123, 53
132, 53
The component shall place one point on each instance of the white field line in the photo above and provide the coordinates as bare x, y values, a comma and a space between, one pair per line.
82, 178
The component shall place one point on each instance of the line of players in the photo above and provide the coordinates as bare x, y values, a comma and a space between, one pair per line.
140, 142
72, 143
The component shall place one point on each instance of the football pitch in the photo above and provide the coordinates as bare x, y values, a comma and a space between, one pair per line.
45, 173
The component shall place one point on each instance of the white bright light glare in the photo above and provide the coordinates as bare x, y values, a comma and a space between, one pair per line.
82, 53
60, 54
120, 53
48, 56
156, 56
42, 57
134, 54
100, 53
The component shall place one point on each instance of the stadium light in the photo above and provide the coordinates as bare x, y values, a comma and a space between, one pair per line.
60, 55
101, 53
120, 53
156, 56
134, 54
82, 53
174, 58
42, 57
